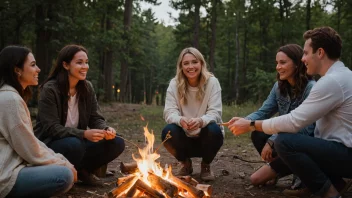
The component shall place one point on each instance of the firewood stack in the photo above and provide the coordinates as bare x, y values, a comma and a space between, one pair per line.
132, 185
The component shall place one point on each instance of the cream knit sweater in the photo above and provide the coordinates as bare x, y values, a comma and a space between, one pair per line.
18, 145
210, 109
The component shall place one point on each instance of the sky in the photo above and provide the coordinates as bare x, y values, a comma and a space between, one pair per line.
161, 11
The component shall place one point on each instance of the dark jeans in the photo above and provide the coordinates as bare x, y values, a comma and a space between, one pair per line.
84, 154
259, 140
318, 162
205, 146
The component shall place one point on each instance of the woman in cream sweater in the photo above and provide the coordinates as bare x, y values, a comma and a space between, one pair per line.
192, 108
28, 168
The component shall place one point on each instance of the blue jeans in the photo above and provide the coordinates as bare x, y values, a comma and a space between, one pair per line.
42, 181
317, 162
87, 155
205, 146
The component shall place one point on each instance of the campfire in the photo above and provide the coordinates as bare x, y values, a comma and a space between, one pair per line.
146, 178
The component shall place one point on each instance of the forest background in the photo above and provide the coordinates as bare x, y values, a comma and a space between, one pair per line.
132, 56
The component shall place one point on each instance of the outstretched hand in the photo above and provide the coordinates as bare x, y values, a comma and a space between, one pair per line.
239, 126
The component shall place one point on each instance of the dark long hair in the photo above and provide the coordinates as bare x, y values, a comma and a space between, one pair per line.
301, 78
11, 57
59, 73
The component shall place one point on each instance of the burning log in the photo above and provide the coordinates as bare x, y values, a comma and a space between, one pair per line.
121, 180
189, 180
123, 187
208, 189
143, 187
163, 185
190, 189
128, 168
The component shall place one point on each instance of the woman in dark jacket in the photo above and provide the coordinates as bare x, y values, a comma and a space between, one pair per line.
69, 119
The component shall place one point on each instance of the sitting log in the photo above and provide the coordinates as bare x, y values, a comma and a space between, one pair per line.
128, 168
163, 185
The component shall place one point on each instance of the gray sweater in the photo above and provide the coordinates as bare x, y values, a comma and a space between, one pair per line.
329, 103
18, 145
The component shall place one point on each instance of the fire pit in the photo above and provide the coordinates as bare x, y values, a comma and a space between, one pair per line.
146, 178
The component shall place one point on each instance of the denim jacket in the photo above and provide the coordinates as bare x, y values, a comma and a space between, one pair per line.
281, 104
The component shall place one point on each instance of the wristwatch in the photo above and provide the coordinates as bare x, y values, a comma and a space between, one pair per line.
252, 125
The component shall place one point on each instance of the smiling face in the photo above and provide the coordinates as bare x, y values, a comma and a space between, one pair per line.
191, 68
310, 59
285, 67
29, 74
77, 68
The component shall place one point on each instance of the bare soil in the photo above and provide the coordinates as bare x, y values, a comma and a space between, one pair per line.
232, 175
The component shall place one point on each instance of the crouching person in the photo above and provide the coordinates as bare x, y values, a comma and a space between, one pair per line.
192, 109
28, 167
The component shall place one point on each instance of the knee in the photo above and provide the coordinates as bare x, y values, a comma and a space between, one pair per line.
256, 136
65, 179
214, 132
173, 129
255, 179
75, 145
117, 145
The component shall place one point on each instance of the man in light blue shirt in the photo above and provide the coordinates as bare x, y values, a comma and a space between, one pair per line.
323, 160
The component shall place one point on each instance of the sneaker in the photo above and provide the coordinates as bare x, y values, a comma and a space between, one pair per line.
186, 169
205, 173
300, 192
89, 178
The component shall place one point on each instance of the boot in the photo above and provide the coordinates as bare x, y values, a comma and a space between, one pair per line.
205, 173
186, 168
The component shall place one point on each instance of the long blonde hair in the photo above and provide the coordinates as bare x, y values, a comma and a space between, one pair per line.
181, 79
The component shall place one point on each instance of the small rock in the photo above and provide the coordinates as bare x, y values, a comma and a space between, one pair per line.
241, 174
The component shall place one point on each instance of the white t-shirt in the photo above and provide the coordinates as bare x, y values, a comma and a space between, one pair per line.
72, 113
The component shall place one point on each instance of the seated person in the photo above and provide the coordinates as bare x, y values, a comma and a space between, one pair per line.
28, 167
192, 109
69, 119
291, 89
322, 161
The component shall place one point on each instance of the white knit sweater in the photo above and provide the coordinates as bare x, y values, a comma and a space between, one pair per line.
210, 109
18, 145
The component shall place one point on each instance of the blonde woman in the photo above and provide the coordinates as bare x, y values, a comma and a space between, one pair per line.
192, 109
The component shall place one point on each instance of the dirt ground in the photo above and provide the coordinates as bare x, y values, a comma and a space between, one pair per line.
232, 175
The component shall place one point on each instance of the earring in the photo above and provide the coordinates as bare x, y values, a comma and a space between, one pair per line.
19, 74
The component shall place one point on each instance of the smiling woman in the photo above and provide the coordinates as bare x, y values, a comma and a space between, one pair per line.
69, 119
28, 167
192, 109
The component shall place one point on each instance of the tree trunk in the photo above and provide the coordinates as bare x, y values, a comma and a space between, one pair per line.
282, 22
196, 24
125, 51
213, 35
42, 46
236, 84
338, 2
308, 15
108, 71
